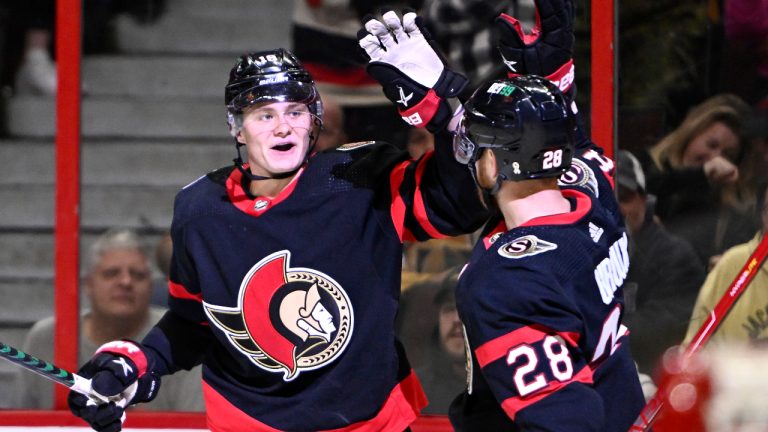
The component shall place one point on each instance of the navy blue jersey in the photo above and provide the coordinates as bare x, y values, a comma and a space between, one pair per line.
542, 306
290, 301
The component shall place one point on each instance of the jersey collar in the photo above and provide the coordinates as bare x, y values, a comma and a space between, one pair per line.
582, 206
258, 205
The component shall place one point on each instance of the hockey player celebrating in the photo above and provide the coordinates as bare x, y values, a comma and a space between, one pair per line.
541, 297
285, 275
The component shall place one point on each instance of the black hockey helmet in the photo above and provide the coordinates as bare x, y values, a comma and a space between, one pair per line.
525, 121
270, 76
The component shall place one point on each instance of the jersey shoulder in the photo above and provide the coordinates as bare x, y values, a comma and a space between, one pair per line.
203, 195
360, 164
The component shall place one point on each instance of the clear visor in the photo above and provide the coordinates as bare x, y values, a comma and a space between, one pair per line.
469, 140
463, 147
288, 91
486, 136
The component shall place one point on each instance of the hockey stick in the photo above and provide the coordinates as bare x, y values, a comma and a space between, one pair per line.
53, 373
716, 317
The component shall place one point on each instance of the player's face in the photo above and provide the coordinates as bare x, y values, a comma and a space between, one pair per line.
716, 140
451, 334
276, 137
120, 284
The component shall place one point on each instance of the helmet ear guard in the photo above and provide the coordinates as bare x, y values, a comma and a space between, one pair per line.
527, 123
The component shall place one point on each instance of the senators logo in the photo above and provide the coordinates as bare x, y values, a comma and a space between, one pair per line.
525, 246
287, 319
580, 174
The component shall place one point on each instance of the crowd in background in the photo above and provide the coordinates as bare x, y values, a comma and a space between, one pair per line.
692, 164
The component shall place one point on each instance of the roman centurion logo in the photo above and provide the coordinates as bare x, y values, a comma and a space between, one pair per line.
287, 320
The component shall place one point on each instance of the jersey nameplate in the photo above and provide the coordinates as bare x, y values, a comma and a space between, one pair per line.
612, 270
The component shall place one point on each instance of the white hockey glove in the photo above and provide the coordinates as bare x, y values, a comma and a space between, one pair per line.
409, 69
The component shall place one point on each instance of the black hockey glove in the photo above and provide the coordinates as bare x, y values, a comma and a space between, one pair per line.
548, 50
118, 372
410, 70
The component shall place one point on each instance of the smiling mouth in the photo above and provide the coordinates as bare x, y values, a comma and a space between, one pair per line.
283, 147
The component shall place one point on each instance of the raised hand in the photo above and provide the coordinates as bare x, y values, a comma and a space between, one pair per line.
410, 70
547, 50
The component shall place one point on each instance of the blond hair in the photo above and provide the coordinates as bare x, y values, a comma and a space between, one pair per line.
728, 109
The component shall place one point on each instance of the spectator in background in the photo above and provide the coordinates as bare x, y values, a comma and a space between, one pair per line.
664, 273
324, 38
746, 320
118, 286
696, 174
444, 375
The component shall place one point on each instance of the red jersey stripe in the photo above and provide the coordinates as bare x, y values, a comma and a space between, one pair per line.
499, 347
513, 405
397, 208
419, 209
179, 291
401, 408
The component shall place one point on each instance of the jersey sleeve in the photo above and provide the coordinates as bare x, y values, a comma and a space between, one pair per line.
527, 348
180, 339
185, 293
434, 196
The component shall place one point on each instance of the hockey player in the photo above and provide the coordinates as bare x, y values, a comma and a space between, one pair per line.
285, 275
541, 297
